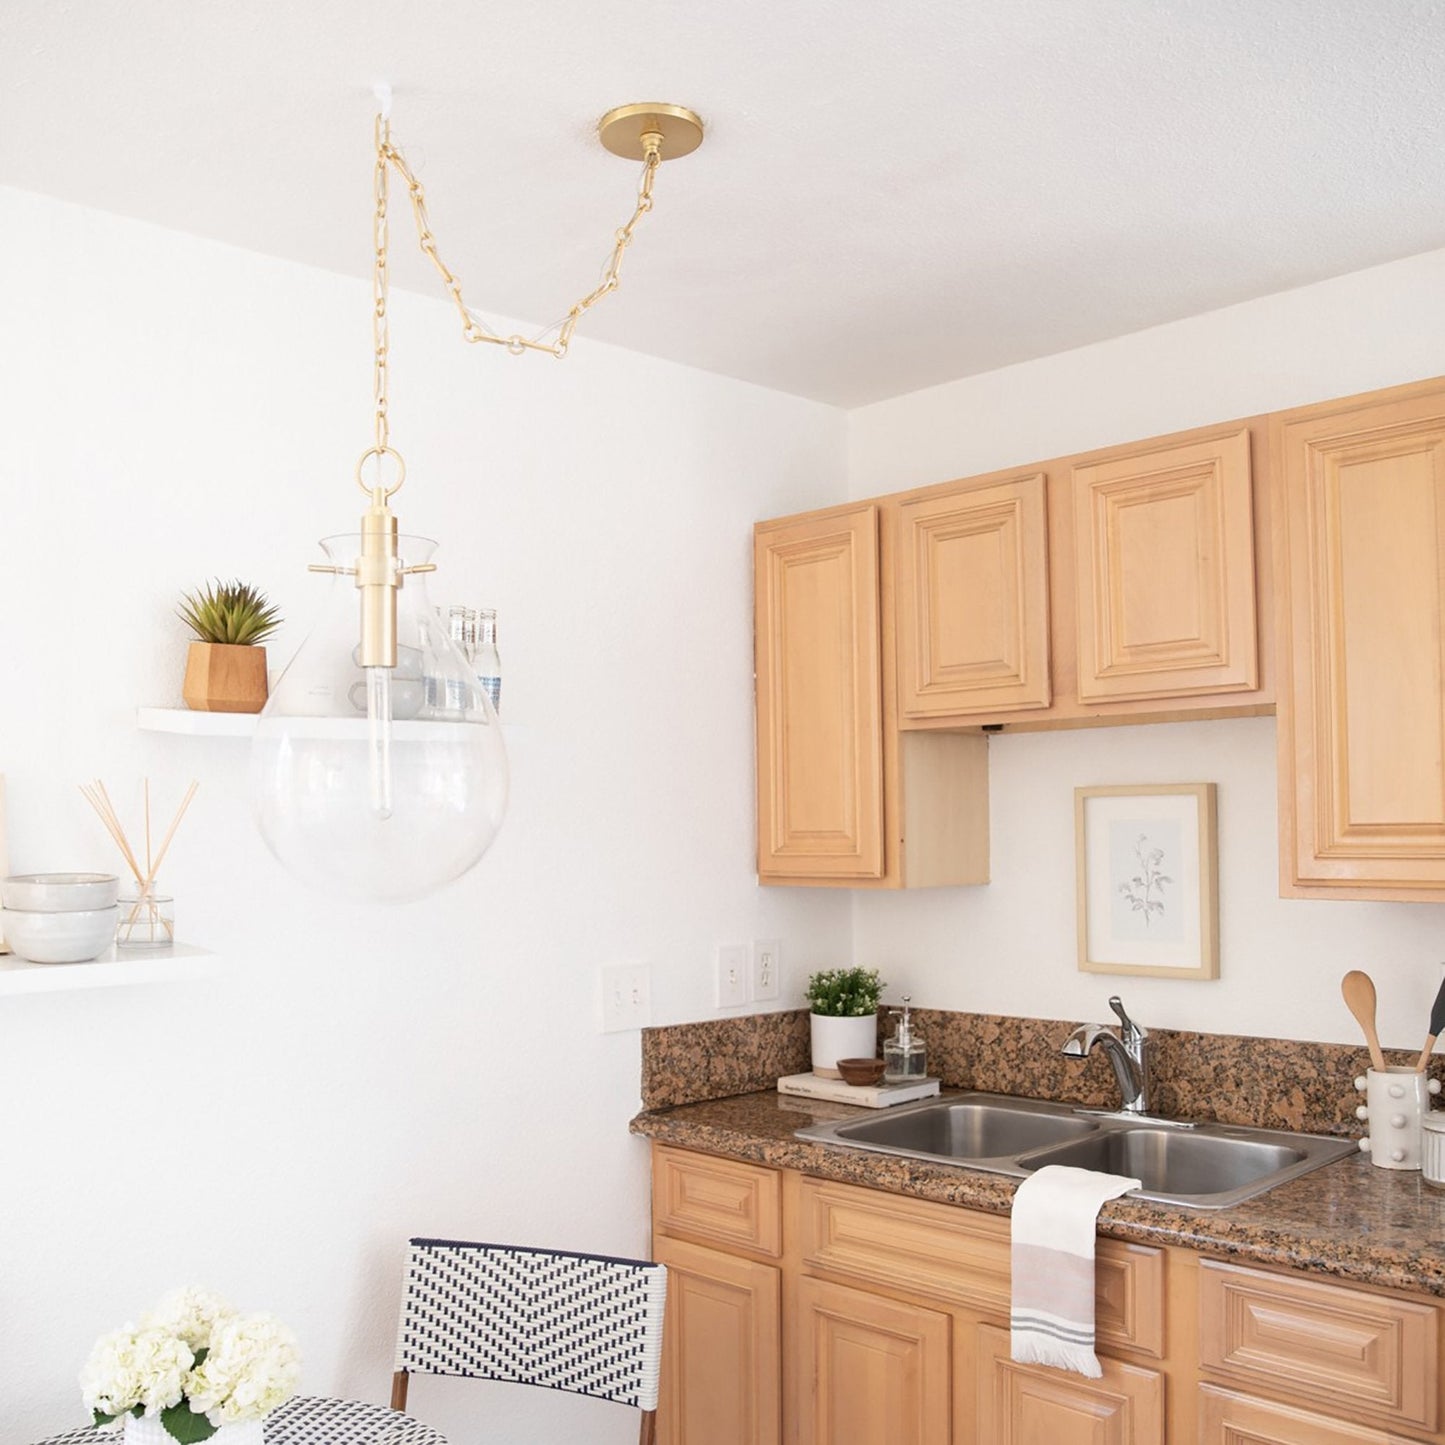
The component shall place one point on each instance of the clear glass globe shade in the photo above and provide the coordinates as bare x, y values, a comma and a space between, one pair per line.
379, 783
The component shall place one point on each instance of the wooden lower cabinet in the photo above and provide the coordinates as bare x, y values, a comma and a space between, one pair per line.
1226, 1418
868, 1371
722, 1349
1034, 1405
808, 1312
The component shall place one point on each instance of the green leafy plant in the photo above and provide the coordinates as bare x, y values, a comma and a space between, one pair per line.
845, 992
233, 613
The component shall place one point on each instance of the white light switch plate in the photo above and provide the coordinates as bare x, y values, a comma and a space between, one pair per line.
626, 997
767, 960
733, 966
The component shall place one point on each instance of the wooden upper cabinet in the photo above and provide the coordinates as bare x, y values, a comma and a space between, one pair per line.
973, 600
819, 693
1164, 572
1361, 556
843, 798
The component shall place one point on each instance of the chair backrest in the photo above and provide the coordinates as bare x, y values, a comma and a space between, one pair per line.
586, 1323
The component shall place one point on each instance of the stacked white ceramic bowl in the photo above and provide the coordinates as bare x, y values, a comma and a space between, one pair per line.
59, 917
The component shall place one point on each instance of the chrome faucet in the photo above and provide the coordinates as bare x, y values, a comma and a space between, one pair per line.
1128, 1052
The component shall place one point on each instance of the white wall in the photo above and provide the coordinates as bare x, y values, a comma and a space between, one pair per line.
1010, 947
172, 409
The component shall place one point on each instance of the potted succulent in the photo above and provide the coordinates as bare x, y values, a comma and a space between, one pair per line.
226, 666
844, 1004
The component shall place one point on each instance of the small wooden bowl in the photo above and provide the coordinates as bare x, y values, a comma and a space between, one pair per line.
860, 1071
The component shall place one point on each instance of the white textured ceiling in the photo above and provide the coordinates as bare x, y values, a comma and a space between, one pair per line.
890, 195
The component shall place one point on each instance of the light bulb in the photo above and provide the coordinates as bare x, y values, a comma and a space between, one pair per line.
378, 724
379, 782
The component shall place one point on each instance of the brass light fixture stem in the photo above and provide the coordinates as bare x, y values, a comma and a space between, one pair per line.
378, 579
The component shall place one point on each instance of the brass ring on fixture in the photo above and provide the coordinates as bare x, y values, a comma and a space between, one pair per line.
378, 453
621, 130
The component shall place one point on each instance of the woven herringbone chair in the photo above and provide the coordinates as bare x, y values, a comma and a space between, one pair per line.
580, 1322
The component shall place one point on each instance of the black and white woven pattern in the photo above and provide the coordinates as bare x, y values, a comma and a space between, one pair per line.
307, 1420
578, 1322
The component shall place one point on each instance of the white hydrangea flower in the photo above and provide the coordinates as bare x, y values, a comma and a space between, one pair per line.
131, 1367
190, 1313
253, 1366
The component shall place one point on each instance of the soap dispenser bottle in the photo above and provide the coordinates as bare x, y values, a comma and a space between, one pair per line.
905, 1060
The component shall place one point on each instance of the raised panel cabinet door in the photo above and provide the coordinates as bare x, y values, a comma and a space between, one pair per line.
819, 697
1362, 709
973, 601
721, 1349
1034, 1405
1226, 1418
1336, 1347
869, 1371
1164, 572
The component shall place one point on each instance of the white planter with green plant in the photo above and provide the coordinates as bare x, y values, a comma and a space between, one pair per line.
844, 1004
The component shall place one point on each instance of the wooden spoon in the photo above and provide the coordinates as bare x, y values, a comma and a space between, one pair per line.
1359, 993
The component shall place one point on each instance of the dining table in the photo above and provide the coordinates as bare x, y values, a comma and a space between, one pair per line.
308, 1420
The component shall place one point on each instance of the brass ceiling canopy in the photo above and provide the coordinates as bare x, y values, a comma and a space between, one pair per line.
626, 130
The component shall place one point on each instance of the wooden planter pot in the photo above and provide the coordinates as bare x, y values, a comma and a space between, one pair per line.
224, 678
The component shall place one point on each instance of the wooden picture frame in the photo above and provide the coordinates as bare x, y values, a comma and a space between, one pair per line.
1147, 880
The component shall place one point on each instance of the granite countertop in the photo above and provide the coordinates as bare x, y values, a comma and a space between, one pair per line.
1380, 1227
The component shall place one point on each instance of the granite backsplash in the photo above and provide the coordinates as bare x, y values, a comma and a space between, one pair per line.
1231, 1079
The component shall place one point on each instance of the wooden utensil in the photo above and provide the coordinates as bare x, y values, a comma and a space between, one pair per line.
1437, 1026
1359, 993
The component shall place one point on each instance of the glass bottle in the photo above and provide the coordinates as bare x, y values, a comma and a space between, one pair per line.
486, 659
380, 782
905, 1060
449, 694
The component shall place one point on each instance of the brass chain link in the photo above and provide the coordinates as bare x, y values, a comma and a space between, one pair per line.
387, 155
380, 335
473, 329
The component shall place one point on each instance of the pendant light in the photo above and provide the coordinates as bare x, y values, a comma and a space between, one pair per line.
378, 768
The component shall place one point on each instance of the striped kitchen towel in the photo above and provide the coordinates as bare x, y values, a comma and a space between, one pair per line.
1054, 1212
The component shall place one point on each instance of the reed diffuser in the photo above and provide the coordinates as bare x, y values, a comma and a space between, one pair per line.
147, 918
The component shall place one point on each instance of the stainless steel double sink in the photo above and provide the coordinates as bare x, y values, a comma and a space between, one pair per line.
1202, 1166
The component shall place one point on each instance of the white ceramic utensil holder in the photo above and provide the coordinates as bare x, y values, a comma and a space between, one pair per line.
1396, 1099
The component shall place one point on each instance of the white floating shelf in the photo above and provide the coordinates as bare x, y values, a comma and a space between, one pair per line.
209, 724
243, 725
113, 969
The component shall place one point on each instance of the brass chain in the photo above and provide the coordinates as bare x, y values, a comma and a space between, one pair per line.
380, 336
472, 329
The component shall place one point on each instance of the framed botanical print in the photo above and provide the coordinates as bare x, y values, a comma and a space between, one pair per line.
1147, 872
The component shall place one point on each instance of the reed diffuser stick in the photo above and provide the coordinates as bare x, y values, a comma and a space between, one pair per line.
94, 796
170, 833
99, 799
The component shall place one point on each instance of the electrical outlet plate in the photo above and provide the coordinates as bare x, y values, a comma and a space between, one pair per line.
732, 974
767, 962
626, 997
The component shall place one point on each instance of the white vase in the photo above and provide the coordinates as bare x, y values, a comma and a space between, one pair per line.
148, 1430
845, 1038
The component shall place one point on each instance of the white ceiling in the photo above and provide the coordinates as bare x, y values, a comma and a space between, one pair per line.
889, 196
